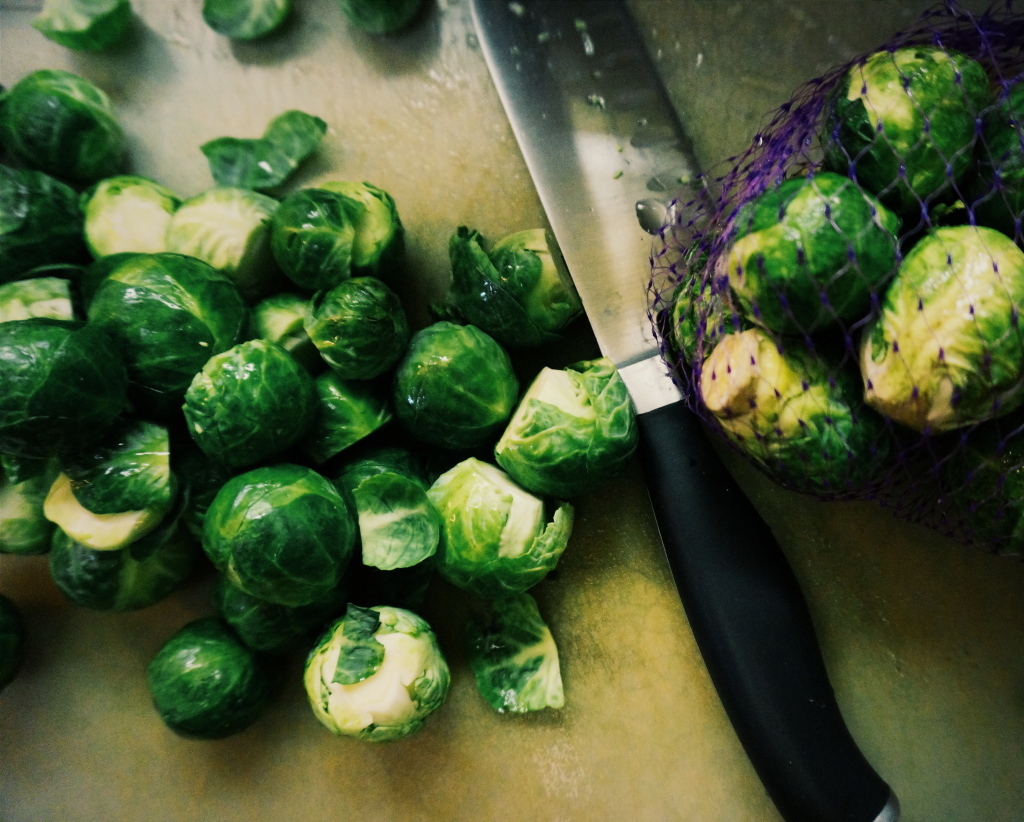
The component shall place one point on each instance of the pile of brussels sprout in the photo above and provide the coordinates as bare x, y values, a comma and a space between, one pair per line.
230, 380
853, 316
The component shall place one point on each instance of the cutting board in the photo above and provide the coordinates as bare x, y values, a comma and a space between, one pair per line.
923, 638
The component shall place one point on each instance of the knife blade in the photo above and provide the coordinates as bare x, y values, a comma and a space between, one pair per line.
604, 146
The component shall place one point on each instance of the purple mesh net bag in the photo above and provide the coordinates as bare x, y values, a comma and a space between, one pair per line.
843, 305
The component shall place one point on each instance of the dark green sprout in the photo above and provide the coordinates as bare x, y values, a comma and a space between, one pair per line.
86, 25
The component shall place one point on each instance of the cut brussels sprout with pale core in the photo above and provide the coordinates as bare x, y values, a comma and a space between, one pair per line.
455, 387
249, 403
998, 192
572, 430
348, 411
263, 164
62, 124
902, 123
205, 682
797, 416
40, 297
495, 537
24, 528
359, 327
168, 313
63, 382
245, 19
12, 641
811, 252
379, 243
127, 214
88, 25
280, 319
281, 533
947, 350
40, 223
229, 228
380, 16
514, 657
376, 674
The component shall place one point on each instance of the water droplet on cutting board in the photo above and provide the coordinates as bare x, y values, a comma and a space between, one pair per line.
650, 213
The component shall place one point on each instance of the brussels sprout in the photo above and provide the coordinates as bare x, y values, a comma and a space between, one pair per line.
249, 403
495, 540
24, 529
169, 314
40, 223
41, 297
96, 272
311, 236
133, 577
103, 532
572, 430
127, 214
359, 328
379, 243
266, 626
349, 410
810, 252
12, 641
514, 657
999, 187
521, 294
790, 411
62, 124
699, 316
89, 25
205, 683
947, 350
279, 319
280, 533
455, 386
902, 123
376, 674
265, 163
245, 19
201, 478
128, 470
63, 385
398, 525
229, 228
380, 16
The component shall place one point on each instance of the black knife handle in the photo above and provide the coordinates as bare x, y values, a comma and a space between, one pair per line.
754, 631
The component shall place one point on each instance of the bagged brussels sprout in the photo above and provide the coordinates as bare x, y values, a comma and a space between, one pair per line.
844, 303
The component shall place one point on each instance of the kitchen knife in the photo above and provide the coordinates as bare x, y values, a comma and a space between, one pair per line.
604, 147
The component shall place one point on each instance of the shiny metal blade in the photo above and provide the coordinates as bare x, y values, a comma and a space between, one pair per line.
603, 144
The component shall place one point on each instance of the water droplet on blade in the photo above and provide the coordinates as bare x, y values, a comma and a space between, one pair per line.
650, 213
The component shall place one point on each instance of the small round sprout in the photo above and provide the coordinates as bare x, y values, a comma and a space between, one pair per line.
87, 25
376, 674
127, 214
249, 403
24, 529
40, 297
280, 319
245, 19
380, 16
205, 683
312, 234
359, 328
12, 641
349, 410
379, 243
62, 124
280, 533
455, 387
496, 539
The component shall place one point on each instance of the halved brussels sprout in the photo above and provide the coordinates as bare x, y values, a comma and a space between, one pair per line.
281, 533
348, 411
376, 674
249, 403
62, 124
90, 25
998, 191
280, 319
572, 430
205, 682
12, 641
40, 297
379, 243
359, 328
40, 223
798, 416
455, 387
947, 350
127, 214
229, 228
380, 16
24, 529
63, 384
496, 539
699, 317
514, 657
245, 19
267, 162
811, 252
